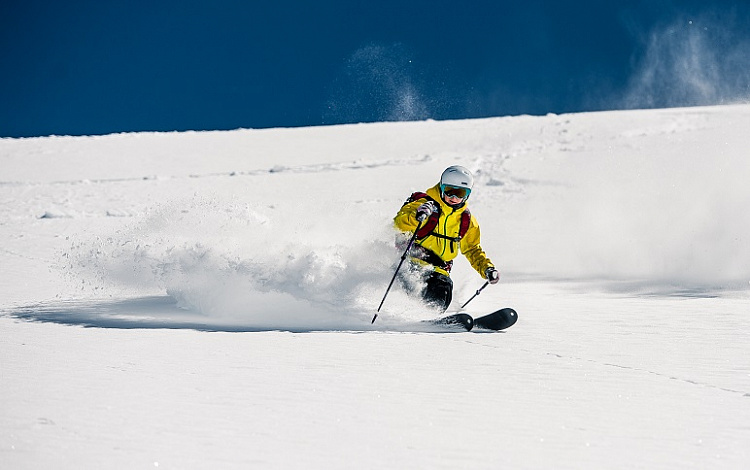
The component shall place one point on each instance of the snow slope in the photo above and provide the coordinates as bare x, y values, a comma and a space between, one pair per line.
228, 279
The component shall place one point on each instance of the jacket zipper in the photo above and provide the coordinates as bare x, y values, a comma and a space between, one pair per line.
445, 232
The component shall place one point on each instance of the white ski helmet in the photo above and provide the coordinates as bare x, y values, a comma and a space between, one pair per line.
457, 177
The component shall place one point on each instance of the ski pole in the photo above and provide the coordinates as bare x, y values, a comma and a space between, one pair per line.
403, 257
479, 291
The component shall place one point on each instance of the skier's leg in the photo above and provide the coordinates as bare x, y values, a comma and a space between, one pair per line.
438, 290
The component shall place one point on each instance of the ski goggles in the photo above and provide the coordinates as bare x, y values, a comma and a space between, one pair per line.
455, 191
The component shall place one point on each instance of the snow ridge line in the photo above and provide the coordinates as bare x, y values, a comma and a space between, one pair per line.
311, 168
20, 255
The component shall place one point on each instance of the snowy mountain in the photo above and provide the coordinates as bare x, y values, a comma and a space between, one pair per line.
224, 275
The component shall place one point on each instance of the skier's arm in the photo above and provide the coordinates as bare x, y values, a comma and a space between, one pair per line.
473, 251
406, 219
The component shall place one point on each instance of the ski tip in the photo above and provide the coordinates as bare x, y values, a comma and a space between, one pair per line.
499, 320
374, 318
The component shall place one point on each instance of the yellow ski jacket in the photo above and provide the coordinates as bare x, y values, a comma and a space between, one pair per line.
448, 225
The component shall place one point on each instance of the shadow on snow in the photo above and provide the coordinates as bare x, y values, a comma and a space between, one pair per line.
163, 312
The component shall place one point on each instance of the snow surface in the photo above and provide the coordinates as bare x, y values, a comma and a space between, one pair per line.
203, 300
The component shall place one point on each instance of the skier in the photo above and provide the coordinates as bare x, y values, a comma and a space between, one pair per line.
444, 227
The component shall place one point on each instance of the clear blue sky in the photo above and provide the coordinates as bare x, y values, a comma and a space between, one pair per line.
102, 66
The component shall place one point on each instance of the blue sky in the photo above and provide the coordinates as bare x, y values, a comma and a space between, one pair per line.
96, 67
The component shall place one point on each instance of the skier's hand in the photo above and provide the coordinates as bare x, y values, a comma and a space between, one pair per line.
492, 275
425, 210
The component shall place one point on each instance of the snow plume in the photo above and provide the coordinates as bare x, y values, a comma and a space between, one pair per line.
376, 85
242, 267
660, 204
692, 62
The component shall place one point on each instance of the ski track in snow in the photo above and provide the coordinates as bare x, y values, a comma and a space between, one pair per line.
639, 370
646, 371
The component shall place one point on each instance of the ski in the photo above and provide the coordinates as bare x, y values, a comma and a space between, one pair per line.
499, 320
462, 321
